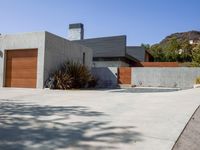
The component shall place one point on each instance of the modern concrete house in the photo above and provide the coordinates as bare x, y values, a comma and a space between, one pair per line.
109, 51
26, 60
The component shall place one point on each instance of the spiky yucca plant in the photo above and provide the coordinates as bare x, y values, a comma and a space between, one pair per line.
71, 75
62, 80
79, 73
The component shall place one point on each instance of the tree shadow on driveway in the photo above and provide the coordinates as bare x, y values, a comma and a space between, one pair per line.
29, 126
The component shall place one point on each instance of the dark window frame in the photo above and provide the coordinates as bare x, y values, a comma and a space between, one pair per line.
83, 58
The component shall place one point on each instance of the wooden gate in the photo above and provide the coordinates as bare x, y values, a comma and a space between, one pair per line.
124, 75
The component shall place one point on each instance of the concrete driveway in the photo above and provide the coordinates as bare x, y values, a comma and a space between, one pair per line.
93, 120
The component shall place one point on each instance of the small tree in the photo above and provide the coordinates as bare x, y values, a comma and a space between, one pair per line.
196, 56
172, 45
146, 46
157, 52
186, 46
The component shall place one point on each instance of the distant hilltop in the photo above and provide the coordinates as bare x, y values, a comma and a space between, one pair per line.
178, 47
192, 36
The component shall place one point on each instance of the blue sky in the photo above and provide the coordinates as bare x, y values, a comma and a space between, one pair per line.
143, 21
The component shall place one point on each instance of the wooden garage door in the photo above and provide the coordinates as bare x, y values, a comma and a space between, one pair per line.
21, 68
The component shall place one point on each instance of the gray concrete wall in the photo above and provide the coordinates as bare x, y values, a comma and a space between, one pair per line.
107, 76
59, 50
110, 64
23, 41
165, 77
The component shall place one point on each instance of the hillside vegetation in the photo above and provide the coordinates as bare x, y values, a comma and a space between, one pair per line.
179, 47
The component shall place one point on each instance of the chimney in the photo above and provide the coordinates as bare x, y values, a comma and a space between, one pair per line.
76, 32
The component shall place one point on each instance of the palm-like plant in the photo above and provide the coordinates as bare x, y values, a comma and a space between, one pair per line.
79, 73
62, 80
72, 75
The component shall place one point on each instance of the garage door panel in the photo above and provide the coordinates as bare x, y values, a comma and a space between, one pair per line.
21, 68
22, 64
21, 53
23, 57
21, 60
28, 83
22, 73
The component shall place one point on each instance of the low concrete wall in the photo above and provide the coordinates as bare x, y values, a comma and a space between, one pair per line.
165, 77
171, 77
107, 76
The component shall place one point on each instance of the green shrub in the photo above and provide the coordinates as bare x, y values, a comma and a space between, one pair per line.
71, 75
196, 55
198, 80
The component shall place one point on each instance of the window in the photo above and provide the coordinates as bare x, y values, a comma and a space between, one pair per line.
83, 58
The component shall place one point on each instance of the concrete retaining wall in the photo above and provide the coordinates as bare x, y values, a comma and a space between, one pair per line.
170, 77
165, 77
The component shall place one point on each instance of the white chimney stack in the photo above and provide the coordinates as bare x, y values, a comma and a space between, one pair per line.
76, 32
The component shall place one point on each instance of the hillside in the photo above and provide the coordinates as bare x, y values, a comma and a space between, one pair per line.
179, 47
182, 36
